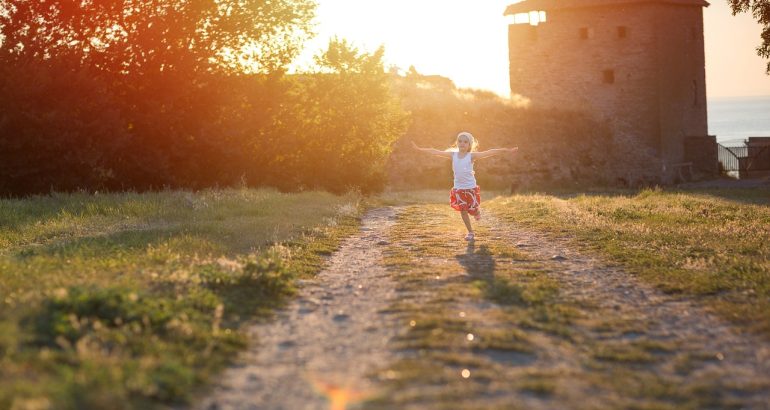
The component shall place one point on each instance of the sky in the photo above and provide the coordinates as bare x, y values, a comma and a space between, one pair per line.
466, 41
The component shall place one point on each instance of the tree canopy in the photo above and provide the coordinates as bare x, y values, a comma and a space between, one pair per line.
145, 36
760, 9
147, 94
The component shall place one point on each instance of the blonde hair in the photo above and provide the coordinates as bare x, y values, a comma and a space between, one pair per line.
471, 139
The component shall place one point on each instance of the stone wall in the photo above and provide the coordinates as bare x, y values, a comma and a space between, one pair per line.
681, 79
759, 152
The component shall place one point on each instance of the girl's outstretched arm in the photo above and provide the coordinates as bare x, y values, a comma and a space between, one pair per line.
433, 151
493, 151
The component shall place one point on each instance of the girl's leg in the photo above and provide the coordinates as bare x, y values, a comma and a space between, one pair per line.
467, 220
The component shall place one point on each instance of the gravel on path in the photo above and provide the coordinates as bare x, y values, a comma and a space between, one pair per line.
319, 352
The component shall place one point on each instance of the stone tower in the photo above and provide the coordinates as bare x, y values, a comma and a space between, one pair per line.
636, 65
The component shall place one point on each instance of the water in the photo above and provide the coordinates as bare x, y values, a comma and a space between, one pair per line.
733, 119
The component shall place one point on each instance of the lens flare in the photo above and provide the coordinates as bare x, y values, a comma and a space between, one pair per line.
339, 396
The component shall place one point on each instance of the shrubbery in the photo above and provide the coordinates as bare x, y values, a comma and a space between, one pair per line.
116, 105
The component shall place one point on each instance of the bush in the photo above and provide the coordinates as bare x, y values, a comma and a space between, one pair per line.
61, 128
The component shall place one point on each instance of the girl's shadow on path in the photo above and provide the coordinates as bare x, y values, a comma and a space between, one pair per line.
480, 266
478, 263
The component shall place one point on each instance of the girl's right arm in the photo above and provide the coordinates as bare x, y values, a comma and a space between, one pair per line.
433, 151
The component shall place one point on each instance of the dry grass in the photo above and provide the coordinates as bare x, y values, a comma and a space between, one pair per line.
714, 245
503, 315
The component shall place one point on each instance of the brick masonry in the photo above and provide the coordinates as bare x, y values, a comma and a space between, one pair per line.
637, 66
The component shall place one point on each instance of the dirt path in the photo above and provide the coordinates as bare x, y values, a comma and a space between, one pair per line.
515, 320
319, 351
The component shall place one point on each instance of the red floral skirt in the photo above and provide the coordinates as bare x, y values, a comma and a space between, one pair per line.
465, 199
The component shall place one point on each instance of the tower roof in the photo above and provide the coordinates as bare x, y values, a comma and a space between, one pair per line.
530, 5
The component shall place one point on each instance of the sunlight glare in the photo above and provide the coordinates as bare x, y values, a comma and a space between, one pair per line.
339, 397
532, 18
464, 41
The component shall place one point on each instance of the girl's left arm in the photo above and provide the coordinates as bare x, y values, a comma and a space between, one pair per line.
492, 152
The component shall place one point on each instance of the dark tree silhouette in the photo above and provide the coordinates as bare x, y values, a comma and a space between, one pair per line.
760, 9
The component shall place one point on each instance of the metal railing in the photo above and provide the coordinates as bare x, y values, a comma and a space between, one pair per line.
741, 161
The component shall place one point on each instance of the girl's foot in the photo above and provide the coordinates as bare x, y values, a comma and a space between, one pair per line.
469, 237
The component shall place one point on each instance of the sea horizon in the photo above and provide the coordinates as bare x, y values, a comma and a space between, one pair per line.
732, 119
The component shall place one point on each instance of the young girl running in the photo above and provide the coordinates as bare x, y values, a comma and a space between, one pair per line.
465, 196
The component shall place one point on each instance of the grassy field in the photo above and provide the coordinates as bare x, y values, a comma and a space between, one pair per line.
134, 300
713, 244
131, 300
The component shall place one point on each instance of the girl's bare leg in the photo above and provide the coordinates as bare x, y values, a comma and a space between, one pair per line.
467, 220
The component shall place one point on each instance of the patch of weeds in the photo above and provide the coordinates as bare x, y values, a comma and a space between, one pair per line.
618, 327
686, 363
503, 339
621, 352
553, 318
502, 291
643, 389
93, 330
538, 383
309, 253
506, 251
259, 283
433, 332
638, 351
428, 381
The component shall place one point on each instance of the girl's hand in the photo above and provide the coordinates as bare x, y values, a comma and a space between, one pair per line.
513, 150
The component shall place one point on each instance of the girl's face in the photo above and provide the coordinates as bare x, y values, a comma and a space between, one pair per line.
463, 144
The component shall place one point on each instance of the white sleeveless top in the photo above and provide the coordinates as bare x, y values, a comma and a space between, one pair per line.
463, 170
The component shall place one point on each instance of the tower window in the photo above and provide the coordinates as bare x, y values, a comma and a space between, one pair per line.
608, 76
622, 31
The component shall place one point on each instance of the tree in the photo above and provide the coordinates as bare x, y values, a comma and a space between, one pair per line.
114, 94
145, 36
760, 9
342, 122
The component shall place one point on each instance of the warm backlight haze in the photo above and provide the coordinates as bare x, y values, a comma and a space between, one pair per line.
463, 40
467, 41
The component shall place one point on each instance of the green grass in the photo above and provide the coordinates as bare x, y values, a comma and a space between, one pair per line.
713, 245
133, 300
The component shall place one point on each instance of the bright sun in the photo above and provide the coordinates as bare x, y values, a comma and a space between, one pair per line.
460, 39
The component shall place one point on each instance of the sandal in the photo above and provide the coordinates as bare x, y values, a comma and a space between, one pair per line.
469, 237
